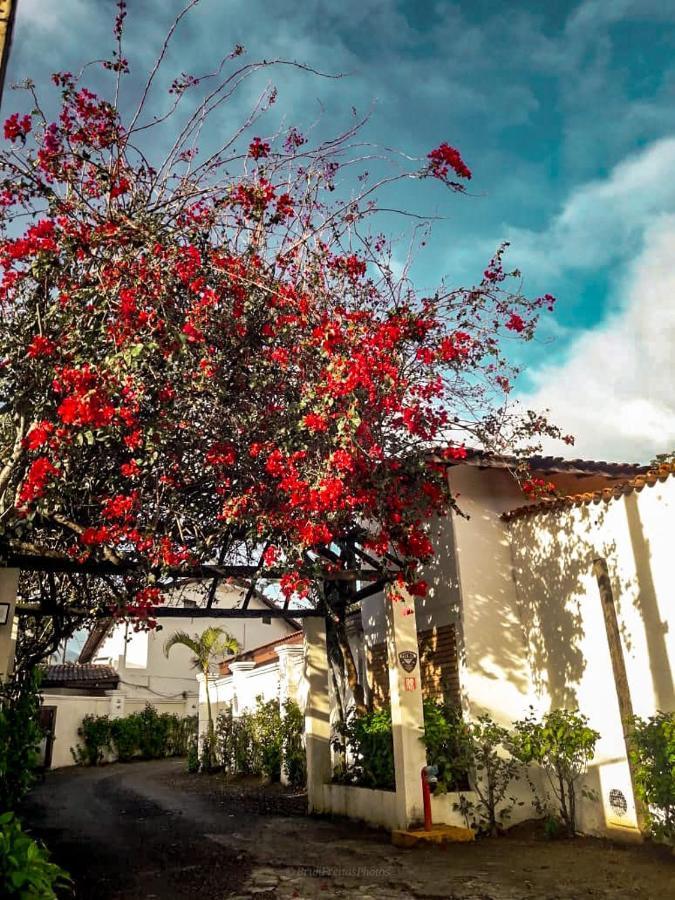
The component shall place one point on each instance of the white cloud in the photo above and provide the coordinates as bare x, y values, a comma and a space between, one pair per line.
614, 391
603, 220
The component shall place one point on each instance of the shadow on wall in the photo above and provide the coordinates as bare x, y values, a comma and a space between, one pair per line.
553, 557
491, 625
646, 604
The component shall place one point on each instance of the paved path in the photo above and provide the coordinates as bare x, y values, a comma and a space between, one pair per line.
146, 830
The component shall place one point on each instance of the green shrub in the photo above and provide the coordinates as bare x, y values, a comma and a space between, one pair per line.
181, 734
654, 759
146, 734
125, 737
20, 736
369, 749
448, 742
25, 869
193, 755
254, 743
153, 733
95, 736
268, 737
562, 744
493, 770
292, 747
209, 759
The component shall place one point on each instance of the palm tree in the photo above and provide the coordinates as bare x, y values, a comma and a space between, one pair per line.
206, 647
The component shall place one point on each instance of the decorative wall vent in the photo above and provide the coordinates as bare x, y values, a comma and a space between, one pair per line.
617, 801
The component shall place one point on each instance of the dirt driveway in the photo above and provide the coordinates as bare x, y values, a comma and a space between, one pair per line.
147, 830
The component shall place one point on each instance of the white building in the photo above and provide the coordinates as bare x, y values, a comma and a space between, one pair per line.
140, 670
514, 619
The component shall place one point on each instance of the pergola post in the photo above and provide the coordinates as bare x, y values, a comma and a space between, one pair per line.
9, 580
317, 713
407, 715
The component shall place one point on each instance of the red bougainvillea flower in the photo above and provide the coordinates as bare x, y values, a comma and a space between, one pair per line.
443, 158
16, 127
258, 149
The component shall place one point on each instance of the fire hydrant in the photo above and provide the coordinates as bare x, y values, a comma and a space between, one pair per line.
429, 780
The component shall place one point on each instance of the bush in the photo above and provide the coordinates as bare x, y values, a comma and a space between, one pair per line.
20, 736
448, 742
25, 869
96, 736
145, 734
267, 728
254, 743
492, 772
654, 758
182, 733
125, 737
193, 755
153, 733
292, 747
563, 745
369, 749
238, 750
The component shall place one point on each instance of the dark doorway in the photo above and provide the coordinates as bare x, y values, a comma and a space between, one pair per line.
48, 728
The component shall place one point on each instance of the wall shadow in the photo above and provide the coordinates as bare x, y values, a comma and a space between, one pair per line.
552, 581
647, 605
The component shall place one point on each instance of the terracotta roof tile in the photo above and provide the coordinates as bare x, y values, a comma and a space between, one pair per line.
264, 654
648, 478
77, 675
551, 464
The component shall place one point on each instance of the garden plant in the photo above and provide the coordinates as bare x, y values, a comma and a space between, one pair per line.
654, 758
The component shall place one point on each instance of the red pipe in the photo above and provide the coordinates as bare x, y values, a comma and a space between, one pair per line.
426, 795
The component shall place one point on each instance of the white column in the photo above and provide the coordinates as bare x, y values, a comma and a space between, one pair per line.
9, 579
245, 701
290, 672
407, 717
317, 713
203, 712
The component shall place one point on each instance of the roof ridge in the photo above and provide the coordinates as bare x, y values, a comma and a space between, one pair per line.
648, 478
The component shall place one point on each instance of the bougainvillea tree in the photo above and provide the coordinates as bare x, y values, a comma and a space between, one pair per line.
207, 355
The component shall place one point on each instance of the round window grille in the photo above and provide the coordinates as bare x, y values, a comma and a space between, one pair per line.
618, 802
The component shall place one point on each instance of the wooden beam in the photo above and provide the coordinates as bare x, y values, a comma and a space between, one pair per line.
183, 612
175, 612
601, 573
13, 559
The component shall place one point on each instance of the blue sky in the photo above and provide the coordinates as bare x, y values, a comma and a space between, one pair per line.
565, 112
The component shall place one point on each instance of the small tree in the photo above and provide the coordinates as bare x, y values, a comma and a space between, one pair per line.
654, 757
493, 770
563, 745
212, 644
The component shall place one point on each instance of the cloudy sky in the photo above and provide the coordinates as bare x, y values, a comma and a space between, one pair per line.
564, 111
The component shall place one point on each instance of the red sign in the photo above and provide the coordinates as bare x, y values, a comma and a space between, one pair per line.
410, 684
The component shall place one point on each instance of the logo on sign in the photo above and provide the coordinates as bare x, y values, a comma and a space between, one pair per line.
408, 659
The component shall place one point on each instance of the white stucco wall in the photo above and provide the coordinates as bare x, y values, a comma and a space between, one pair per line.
559, 607
282, 679
531, 629
70, 710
